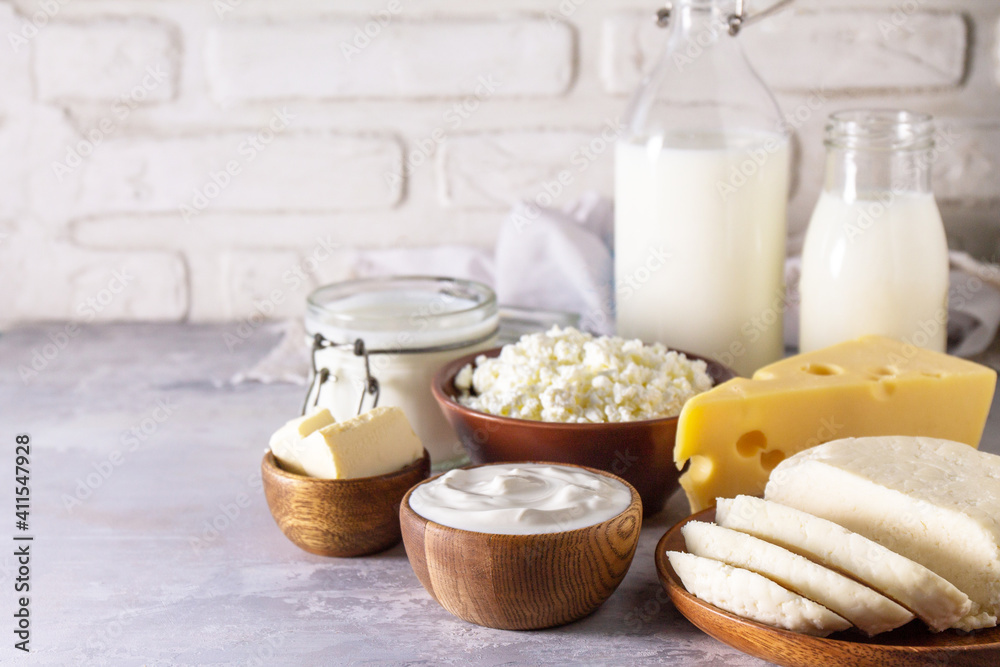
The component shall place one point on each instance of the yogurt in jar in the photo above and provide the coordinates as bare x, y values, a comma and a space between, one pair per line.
520, 498
411, 327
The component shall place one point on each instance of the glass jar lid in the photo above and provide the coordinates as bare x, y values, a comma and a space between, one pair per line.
403, 312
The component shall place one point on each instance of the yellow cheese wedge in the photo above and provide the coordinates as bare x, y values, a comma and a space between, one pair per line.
735, 434
376, 442
287, 439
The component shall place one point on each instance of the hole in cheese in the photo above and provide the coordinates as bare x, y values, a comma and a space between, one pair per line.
768, 460
886, 371
699, 468
883, 389
823, 369
750, 443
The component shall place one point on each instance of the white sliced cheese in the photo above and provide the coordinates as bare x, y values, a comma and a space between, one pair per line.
752, 596
869, 610
287, 441
934, 501
932, 598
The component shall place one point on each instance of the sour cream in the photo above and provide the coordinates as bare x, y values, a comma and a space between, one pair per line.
520, 499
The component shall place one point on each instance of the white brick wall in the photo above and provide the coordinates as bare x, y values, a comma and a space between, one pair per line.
968, 169
361, 59
127, 129
266, 169
848, 50
490, 170
106, 59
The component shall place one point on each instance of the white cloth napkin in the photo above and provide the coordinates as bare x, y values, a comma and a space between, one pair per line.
562, 260
559, 260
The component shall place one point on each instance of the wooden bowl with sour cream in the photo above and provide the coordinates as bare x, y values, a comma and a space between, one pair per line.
524, 581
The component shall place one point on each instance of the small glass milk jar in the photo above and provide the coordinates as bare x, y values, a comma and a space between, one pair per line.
380, 341
875, 258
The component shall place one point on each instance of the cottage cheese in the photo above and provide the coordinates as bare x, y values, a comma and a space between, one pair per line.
565, 375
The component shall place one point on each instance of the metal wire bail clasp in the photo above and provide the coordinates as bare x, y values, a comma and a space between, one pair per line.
735, 21
321, 375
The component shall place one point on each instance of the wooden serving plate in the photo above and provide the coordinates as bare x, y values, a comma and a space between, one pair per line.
909, 646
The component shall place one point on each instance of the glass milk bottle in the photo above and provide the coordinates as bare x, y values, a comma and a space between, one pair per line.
701, 186
875, 259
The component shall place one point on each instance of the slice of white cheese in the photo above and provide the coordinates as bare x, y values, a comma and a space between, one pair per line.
286, 440
752, 596
869, 610
934, 501
377, 442
932, 598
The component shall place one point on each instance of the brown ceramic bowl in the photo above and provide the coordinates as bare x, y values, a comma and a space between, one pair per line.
339, 517
522, 582
641, 452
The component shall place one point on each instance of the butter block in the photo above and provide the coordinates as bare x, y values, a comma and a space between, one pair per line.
934, 501
377, 442
936, 601
870, 611
752, 596
286, 440
733, 435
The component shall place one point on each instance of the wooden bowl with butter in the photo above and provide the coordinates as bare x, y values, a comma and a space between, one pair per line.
339, 517
522, 581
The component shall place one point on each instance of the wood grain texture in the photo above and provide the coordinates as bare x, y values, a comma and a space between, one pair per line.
339, 517
912, 645
522, 582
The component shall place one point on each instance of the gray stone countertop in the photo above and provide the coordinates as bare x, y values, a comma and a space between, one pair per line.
159, 549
